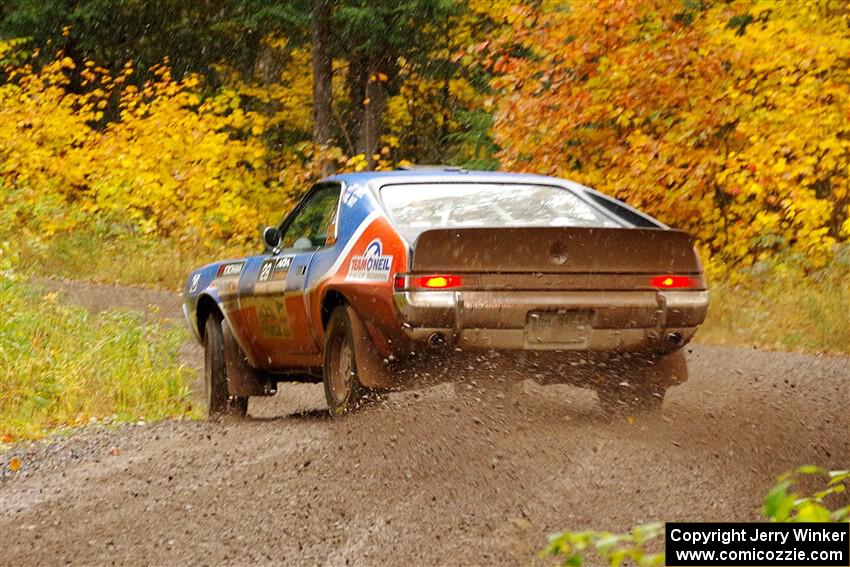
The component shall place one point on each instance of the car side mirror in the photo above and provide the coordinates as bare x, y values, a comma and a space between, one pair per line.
271, 237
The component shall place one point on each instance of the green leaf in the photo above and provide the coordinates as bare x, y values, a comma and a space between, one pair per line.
606, 542
837, 477
812, 512
778, 503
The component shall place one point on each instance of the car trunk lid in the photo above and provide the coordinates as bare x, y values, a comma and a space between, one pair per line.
555, 250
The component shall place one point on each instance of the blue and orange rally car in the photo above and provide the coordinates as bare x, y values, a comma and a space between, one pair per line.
374, 270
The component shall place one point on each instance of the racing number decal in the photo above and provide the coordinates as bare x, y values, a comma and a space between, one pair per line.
275, 269
265, 272
268, 300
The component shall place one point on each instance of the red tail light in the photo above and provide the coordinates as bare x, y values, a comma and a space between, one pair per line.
673, 282
437, 282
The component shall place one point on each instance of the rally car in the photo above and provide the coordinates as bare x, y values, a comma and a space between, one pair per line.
372, 270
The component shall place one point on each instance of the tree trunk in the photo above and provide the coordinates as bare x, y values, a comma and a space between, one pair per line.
371, 125
320, 27
358, 74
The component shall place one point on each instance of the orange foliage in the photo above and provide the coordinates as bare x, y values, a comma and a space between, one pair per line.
732, 122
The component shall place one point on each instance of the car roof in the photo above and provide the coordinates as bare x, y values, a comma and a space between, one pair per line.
443, 174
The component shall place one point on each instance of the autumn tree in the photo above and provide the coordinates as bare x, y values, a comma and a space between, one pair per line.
727, 119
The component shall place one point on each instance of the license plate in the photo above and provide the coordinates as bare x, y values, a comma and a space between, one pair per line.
558, 327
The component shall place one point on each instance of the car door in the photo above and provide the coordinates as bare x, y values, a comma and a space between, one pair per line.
279, 294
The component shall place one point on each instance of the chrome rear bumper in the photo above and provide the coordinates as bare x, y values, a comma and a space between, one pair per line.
553, 320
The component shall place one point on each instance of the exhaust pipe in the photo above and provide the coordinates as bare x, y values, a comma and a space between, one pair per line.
437, 340
675, 339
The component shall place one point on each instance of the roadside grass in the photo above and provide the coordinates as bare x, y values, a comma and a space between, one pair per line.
120, 259
781, 306
61, 366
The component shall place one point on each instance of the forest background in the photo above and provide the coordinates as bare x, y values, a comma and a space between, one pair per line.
139, 139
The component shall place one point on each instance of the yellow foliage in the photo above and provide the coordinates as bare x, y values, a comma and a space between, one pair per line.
173, 163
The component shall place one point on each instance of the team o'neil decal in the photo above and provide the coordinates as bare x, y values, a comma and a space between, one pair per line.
372, 266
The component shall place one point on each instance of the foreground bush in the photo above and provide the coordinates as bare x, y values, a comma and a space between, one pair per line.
639, 545
61, 366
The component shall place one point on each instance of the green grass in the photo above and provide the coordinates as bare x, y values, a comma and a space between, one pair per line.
122, 259
61, 366
782, 306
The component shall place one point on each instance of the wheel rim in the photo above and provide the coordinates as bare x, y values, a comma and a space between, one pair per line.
342, 365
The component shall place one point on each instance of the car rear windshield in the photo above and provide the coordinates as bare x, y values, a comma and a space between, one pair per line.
430, 205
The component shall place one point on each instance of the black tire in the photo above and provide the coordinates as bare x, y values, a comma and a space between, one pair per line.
343, 390
219, 402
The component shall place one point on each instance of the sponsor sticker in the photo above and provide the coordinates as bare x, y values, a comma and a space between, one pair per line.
352, 193
272, 318
230, 270
372, 266
195, 279
274, 269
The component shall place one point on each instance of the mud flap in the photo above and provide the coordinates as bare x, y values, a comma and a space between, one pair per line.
242, 379
371, 369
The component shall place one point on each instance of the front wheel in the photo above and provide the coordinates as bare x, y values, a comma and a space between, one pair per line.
218, 399
343, 390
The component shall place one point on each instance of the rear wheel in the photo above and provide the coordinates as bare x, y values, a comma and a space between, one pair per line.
343, 390
219, 402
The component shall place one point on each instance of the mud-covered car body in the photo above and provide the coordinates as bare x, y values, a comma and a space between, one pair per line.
385, 245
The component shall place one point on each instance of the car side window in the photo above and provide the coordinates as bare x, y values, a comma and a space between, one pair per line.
621, 211
309, 228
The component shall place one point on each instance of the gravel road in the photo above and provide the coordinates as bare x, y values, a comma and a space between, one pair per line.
424, 478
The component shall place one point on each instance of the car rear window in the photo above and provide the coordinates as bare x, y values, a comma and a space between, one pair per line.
431, 205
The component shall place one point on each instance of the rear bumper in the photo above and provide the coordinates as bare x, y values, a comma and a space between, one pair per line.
553, 320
